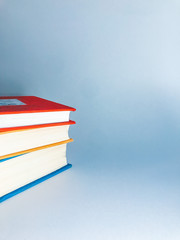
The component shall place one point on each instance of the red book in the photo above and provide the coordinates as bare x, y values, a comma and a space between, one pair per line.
18, 111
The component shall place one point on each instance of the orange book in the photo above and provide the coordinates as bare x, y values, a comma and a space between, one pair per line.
19, 139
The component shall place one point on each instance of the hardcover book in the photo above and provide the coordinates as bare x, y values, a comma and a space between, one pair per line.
24, 171
18, 139
31, 110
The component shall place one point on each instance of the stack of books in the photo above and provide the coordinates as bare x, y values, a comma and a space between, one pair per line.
33, 140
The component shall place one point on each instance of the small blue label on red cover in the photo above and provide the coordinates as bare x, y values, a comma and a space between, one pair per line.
10, 102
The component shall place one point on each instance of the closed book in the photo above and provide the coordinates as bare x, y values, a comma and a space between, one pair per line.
17, 139
23, 171
30, 110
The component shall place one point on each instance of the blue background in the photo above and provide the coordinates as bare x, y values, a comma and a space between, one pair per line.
117, 62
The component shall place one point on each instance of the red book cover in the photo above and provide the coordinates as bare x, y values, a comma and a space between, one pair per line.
29, 104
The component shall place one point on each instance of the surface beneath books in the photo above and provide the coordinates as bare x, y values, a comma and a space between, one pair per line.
99, 198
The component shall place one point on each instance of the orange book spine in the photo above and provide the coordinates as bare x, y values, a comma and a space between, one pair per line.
23, 128
36, 149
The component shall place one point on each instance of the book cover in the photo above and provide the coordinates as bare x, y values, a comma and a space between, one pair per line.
29, 104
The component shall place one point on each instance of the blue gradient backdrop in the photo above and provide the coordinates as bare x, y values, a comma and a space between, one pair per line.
117, 62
